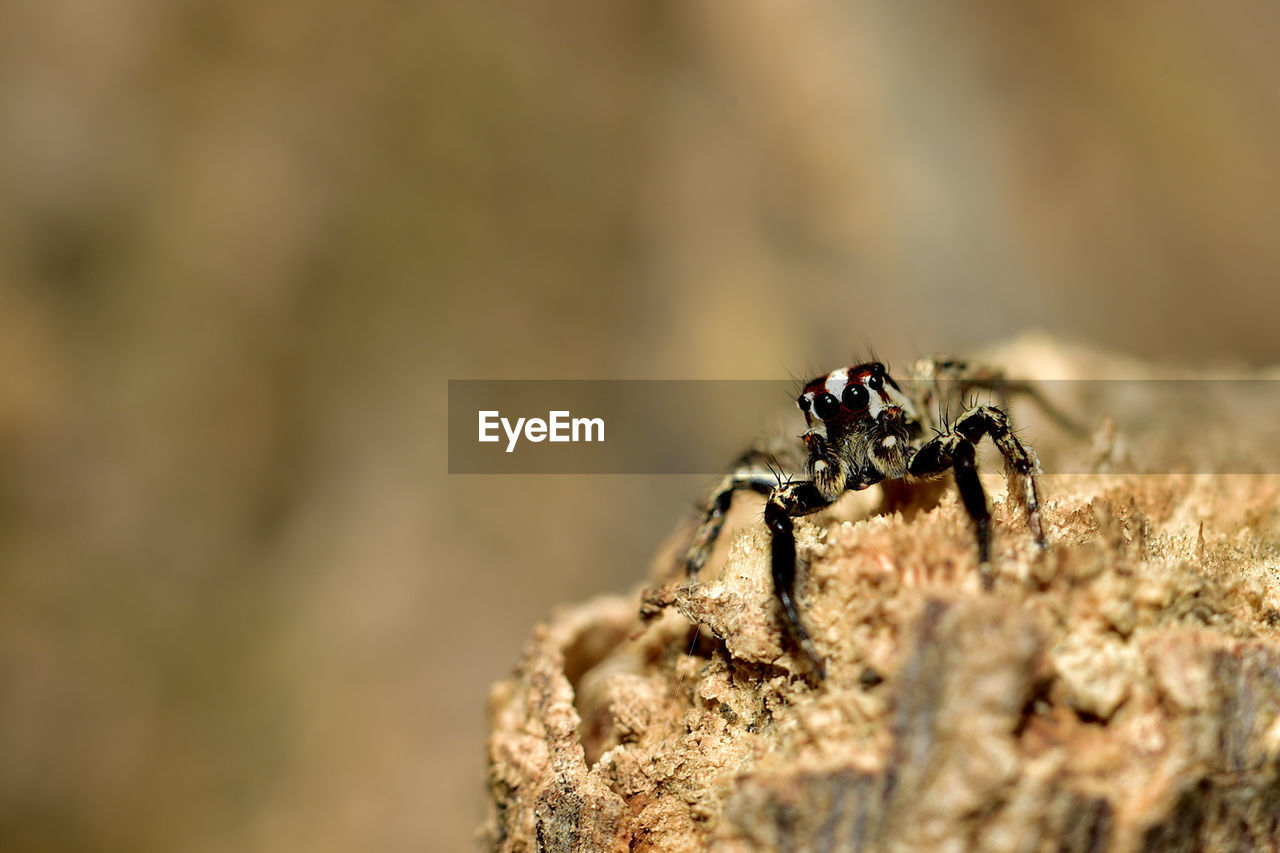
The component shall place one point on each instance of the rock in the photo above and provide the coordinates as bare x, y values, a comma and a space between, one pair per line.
1119, 692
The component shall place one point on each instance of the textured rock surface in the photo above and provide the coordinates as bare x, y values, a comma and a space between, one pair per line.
1120, 691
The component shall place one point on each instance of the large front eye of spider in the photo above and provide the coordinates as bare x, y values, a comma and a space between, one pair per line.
826, 406
855, 396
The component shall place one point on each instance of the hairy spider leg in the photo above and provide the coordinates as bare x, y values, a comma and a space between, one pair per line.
957, 450
754, 471
1021, 467
786, 502
966, 377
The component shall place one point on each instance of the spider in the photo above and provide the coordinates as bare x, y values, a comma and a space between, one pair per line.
863, 429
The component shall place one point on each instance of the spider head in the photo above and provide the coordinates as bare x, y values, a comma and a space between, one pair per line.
854, 414
852, 395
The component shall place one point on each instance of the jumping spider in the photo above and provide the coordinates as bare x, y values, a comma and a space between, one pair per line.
863, 428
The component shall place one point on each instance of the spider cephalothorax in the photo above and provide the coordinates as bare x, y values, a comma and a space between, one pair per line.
863, 431
864, 428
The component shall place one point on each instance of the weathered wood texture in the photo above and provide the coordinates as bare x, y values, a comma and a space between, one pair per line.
1119, 692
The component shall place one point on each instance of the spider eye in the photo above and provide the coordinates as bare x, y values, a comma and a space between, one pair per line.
876, 381
855, 397
803, 402
826, 406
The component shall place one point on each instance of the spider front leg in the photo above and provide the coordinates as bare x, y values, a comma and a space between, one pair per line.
957, 450
752, 472
786, 502
958, 453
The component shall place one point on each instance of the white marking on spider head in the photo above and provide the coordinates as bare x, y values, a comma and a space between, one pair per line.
836, 382
889, 441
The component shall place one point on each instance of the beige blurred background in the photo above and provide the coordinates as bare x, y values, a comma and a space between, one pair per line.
243, 246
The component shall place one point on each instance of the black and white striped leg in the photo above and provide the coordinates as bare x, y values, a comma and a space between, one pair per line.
1021, 467
957, 450
958, 453
785, 503
752, 472
963, 377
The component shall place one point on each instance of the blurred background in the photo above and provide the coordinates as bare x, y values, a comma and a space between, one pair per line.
243, 247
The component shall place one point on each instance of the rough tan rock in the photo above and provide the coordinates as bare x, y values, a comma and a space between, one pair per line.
1120, 691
